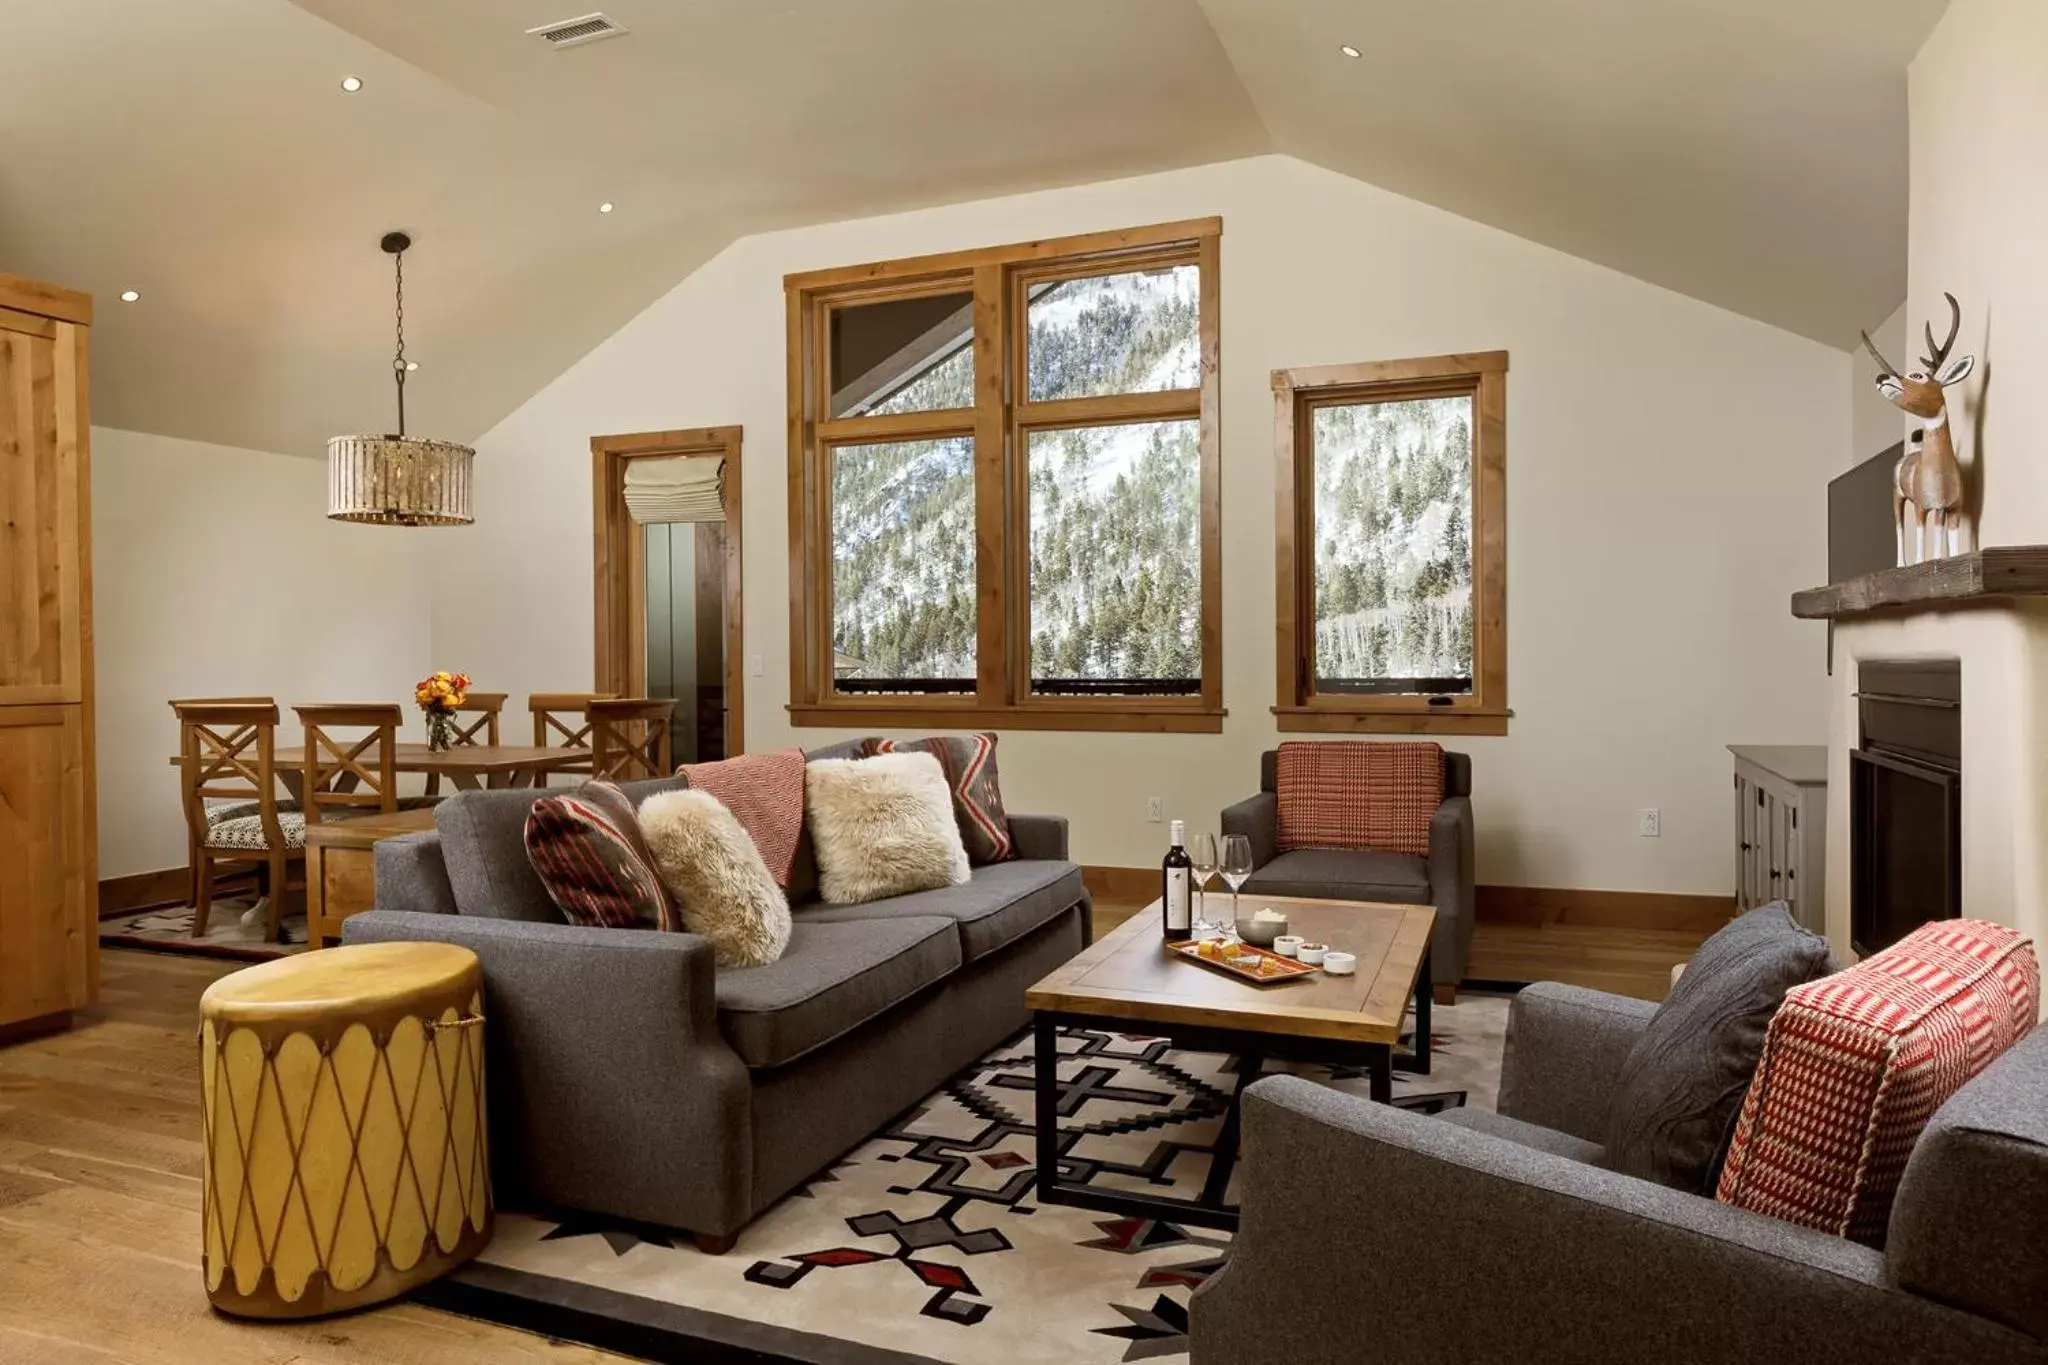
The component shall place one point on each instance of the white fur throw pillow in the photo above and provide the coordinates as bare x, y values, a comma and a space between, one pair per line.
715, 873
882, 826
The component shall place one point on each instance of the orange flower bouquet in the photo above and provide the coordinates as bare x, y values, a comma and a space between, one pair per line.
439, 695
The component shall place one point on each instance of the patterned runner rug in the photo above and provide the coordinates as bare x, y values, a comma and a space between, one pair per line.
927, 1244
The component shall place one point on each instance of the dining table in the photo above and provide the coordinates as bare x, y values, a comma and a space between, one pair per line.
466, 767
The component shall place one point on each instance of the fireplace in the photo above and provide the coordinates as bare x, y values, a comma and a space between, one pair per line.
1905, 800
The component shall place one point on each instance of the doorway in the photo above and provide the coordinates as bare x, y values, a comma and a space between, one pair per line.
667, 575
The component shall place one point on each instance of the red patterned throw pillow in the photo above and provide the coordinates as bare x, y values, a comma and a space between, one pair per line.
969, 763
765, 792
585, 846
1855, 1064
1350, 794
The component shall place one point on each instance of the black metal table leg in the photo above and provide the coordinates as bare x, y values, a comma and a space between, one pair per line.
1046, 1044
1425, 997
1379, 1061
1223, 1159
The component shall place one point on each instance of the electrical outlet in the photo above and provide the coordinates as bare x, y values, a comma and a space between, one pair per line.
1155, 809
1649, 822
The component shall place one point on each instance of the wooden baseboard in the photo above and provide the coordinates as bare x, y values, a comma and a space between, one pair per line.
1532, 905
1543, 905
1133, 886
144, 891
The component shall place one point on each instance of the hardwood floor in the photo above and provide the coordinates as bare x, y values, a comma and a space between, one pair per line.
1634, 962
100, 1153
99, 1205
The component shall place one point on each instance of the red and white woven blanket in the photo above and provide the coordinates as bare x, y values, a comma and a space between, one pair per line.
765, 792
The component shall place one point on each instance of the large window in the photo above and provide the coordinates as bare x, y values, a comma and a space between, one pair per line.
1004, 486
1393, 546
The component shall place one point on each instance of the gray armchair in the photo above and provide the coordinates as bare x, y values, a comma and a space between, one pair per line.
1375, 1233
1444, 879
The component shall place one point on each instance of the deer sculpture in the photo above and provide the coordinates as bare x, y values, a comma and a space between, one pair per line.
1927, 479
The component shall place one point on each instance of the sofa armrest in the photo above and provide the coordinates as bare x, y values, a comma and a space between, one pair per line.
1039, 836
1451, 889
611, 1088
1257, 818
1565, 1045
1435, 1243
412, 875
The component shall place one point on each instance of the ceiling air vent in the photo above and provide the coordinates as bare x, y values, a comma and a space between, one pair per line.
588, 28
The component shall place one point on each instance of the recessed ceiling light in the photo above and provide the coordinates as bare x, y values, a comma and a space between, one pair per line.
129, 296
1350, 51
605, 207
351, 83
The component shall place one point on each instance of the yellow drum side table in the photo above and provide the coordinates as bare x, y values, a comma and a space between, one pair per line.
347, 1160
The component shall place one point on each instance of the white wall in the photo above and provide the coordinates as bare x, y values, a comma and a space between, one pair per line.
1980, 121
1666, 495
215, 573
1874, 424
1979, 91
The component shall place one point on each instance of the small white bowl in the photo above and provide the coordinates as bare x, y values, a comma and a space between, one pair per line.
1287, 945
1312, 953
1339, 964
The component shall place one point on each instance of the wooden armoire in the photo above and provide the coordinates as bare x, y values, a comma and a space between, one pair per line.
49, 853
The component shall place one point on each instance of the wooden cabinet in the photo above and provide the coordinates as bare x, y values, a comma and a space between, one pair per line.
49, 856
1781, 820
341, 867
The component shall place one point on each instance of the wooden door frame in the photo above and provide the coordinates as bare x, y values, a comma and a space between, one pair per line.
620, 565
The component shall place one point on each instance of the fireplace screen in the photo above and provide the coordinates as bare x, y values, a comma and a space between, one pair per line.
1905, 801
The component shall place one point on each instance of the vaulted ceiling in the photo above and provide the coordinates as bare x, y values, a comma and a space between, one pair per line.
1751, 153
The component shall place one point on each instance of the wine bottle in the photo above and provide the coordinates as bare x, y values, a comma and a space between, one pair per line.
1177, 874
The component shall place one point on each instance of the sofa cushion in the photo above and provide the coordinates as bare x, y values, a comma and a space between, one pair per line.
997, 905
483, 843
1347, 874
882, 827
1359, 794
765, 793
1677, 1094
585, 845
1854, 1066
969, 762
1527, 1134
829, 981
711, 865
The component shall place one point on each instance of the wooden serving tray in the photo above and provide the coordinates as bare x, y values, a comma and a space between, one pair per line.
1272, 968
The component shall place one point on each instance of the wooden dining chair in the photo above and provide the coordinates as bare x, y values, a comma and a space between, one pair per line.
485, 707
560, 722
629, 737
227, 752
219, 810
350, 766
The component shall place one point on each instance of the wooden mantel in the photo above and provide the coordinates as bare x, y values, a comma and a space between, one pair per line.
1997, 571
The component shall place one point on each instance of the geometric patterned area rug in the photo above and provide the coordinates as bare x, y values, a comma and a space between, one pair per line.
926, 1243
232, 930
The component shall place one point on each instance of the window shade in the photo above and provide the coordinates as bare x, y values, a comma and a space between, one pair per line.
676, 488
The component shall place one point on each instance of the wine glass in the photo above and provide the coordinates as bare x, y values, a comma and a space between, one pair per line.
1203, 852
1237, 865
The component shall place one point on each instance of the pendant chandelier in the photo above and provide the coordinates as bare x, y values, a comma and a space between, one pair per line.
398, 480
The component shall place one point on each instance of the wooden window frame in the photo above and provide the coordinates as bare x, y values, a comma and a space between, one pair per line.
1000, 423
619, 566
1296, 393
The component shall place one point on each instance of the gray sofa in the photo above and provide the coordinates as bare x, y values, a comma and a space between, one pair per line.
630, 1077
1444, 879
1482, 1236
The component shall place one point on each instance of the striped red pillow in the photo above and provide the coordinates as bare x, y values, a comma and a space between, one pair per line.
585, 846
1855, 1064
969, 762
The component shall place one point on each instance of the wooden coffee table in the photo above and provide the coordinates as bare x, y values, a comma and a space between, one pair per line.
1128, 982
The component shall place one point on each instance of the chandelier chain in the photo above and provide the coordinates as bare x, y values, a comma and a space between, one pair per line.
398, 360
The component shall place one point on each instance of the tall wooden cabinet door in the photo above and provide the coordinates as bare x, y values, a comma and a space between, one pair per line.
44, 542
48, 899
